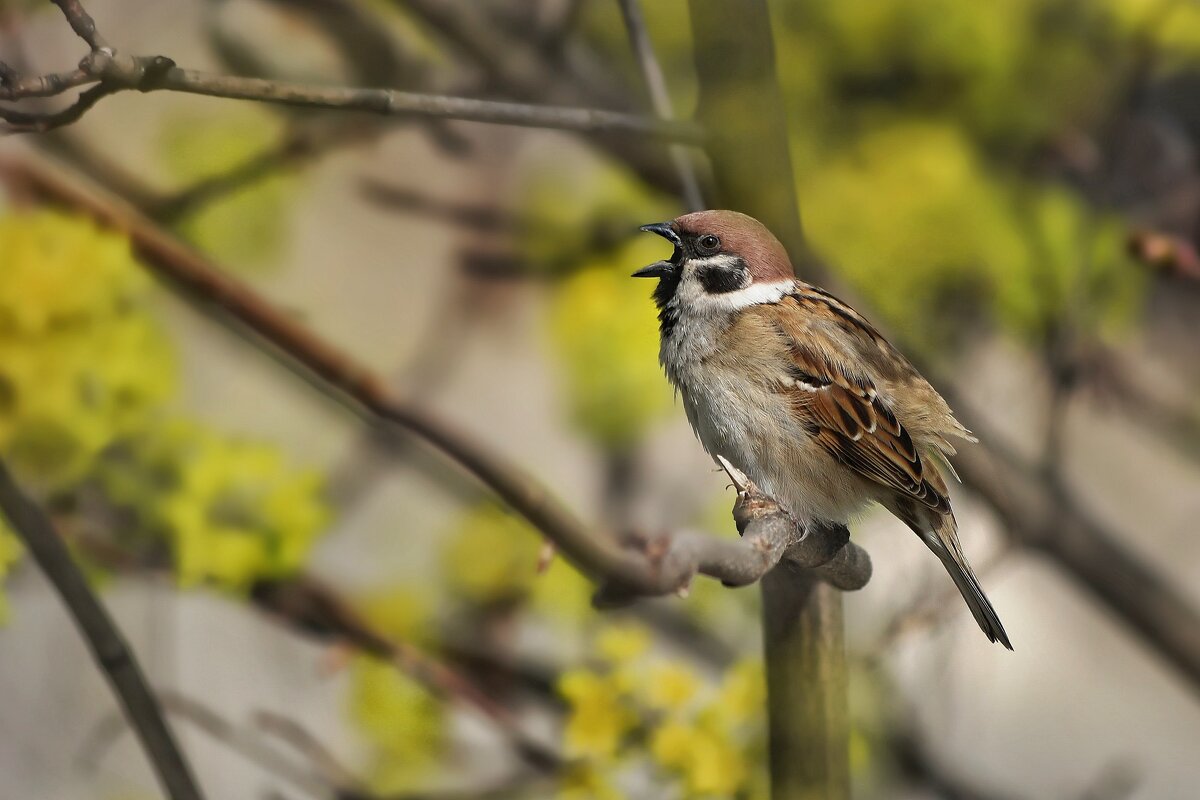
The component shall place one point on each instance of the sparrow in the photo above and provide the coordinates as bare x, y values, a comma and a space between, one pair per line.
801, 393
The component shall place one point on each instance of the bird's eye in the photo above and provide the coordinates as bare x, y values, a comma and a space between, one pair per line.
710, 243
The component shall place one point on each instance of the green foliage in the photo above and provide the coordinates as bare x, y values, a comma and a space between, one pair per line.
490, 557
913, 129
248, 225
402, 721
1009, 73
604, 332
231, 511
10, 551
602, 324
966, 241
705, 735
579, 211
1075, 268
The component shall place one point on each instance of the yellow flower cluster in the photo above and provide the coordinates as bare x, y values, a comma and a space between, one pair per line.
232, 511
81, 361
705, 736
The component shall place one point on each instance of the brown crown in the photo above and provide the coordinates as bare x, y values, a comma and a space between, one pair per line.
742, 236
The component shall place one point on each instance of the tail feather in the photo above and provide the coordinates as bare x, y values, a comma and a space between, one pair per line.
940, 534
968, 586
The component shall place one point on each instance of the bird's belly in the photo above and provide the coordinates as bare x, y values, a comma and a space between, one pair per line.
753, 428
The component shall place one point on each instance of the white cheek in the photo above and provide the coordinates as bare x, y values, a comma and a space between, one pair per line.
692, 295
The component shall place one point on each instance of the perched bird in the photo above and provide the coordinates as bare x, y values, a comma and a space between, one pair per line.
801, 393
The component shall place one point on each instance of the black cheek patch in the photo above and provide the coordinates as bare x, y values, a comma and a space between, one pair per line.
720, 280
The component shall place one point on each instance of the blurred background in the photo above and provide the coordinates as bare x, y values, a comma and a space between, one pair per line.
1010, 190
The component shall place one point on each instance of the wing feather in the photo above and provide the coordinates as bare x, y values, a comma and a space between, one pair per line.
856, 426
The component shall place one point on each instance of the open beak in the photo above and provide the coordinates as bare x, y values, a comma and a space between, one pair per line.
660, 269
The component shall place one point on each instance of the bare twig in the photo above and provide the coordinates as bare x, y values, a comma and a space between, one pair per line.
112, 74
304, 742
660, 97
523, 69
315, 771
82, 23
109, 648
306, 604
307, 778
294, 147
930, 613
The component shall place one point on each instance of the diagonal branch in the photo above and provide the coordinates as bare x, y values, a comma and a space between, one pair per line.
109, 648
639, 566
306, 605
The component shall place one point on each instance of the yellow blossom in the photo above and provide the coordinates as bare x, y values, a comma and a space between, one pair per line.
671, 744
401, 719
743, 693
670, 686
81, 362
599, 718
562, 592
622, 643
707, 760
491, 555
233, 511
583, 781
400, 611
61, 270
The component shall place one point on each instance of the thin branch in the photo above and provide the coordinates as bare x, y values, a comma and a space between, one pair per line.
82, 23
307, 605
929, 613
301, 143
250, 745
16, 86
117, 73
304, 742
109, 648
660, 98
522, 68
322, 777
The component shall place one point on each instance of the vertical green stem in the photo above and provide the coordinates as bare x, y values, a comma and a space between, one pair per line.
742, 106
806, 687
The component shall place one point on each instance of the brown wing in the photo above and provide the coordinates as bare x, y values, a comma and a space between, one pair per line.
848, 418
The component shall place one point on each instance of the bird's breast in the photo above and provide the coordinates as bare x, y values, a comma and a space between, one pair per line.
737, 414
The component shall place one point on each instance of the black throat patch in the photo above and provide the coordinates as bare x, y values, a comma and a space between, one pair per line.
668, 312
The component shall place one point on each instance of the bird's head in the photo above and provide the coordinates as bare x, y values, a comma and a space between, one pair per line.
722, 259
